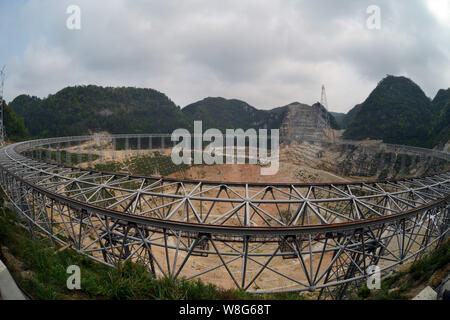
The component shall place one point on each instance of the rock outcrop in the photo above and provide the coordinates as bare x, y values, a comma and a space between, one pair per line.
305, 123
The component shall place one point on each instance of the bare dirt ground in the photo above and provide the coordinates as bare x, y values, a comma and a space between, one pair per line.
299, 163
288, 173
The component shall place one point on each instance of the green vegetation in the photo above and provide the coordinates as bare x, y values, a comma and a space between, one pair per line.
162, 164
48, 266
334, 124
440, 129
344, 122
397, 111
143, 165
224, 114
110, 166
339, 118
400, 285
14, 125
40, 267
84, 109
439, 101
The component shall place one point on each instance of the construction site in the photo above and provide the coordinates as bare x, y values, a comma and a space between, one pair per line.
334, 208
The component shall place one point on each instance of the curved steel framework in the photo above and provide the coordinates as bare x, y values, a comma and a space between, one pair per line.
258, 237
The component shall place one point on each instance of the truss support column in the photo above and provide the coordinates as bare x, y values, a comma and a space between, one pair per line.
68, 155
25, 209
244, 260
58, 153
80, 158
162, 145
49, 154
138, 145
89, 151
150, 145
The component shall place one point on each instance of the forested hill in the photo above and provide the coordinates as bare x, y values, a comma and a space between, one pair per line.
84, 109
397, 111
346, 118
439, 101
14, 125
440, 129
224, 114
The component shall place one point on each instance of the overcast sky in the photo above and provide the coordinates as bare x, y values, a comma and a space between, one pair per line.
266, 52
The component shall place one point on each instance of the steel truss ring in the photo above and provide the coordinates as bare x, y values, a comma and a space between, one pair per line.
259, 237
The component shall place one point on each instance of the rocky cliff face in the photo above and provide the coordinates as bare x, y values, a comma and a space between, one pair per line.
376, 162
304, 123
447, 147
367, 160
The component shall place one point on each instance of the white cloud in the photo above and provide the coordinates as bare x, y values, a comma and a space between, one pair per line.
441, 10
40, 66
268, 53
